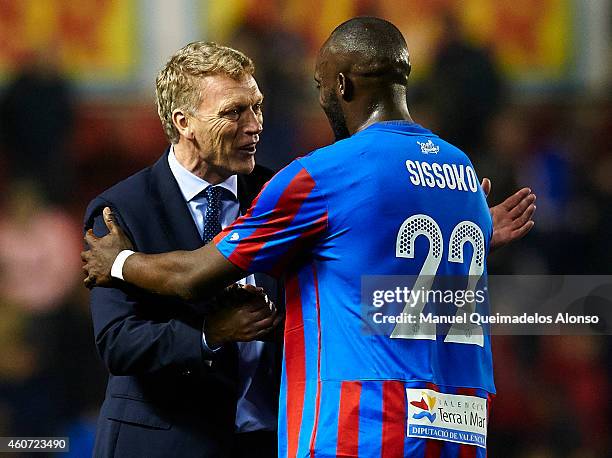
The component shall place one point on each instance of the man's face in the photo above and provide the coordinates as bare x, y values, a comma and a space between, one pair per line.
325, 79
227, 123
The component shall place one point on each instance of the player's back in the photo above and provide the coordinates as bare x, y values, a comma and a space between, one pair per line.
400, 202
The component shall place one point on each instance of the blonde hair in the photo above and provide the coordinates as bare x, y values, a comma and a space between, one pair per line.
177, 84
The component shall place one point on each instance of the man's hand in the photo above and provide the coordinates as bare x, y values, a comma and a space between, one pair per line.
103, 251
244, 314
512, 219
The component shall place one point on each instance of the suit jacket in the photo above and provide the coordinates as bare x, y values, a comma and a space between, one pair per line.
162, 399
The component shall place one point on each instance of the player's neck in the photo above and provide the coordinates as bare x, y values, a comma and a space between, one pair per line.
382, 106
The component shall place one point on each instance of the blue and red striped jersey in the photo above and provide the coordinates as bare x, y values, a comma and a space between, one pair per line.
391, 200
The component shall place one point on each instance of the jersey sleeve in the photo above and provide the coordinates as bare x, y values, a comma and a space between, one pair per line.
285, 220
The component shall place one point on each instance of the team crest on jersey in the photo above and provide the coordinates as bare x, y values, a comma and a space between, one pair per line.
429, 147
234, 237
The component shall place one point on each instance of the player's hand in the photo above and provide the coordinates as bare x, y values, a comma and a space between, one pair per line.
513, 218
245, 313
103, 251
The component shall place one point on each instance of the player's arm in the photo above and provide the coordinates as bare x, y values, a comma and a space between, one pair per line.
289, 216
132, 343
187, 274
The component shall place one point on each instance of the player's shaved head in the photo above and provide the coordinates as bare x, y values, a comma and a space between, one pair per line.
362, 72
369, 46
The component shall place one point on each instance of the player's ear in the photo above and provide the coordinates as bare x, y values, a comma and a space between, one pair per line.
181, 122
345, 87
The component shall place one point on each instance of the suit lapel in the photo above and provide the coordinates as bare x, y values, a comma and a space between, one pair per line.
246, 193
175, 216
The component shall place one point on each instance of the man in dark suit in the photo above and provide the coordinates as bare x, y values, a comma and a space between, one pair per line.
179, 383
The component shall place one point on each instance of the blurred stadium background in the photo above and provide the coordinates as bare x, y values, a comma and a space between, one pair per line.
523, 86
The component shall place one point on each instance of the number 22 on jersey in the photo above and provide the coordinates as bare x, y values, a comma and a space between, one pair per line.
464, 232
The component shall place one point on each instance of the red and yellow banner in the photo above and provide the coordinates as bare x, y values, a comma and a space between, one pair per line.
530, 39
92, 40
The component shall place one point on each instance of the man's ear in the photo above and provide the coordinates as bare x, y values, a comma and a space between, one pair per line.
181, 122
345, 87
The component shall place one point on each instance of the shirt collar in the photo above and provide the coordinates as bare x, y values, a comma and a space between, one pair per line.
192, 185
400, 124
